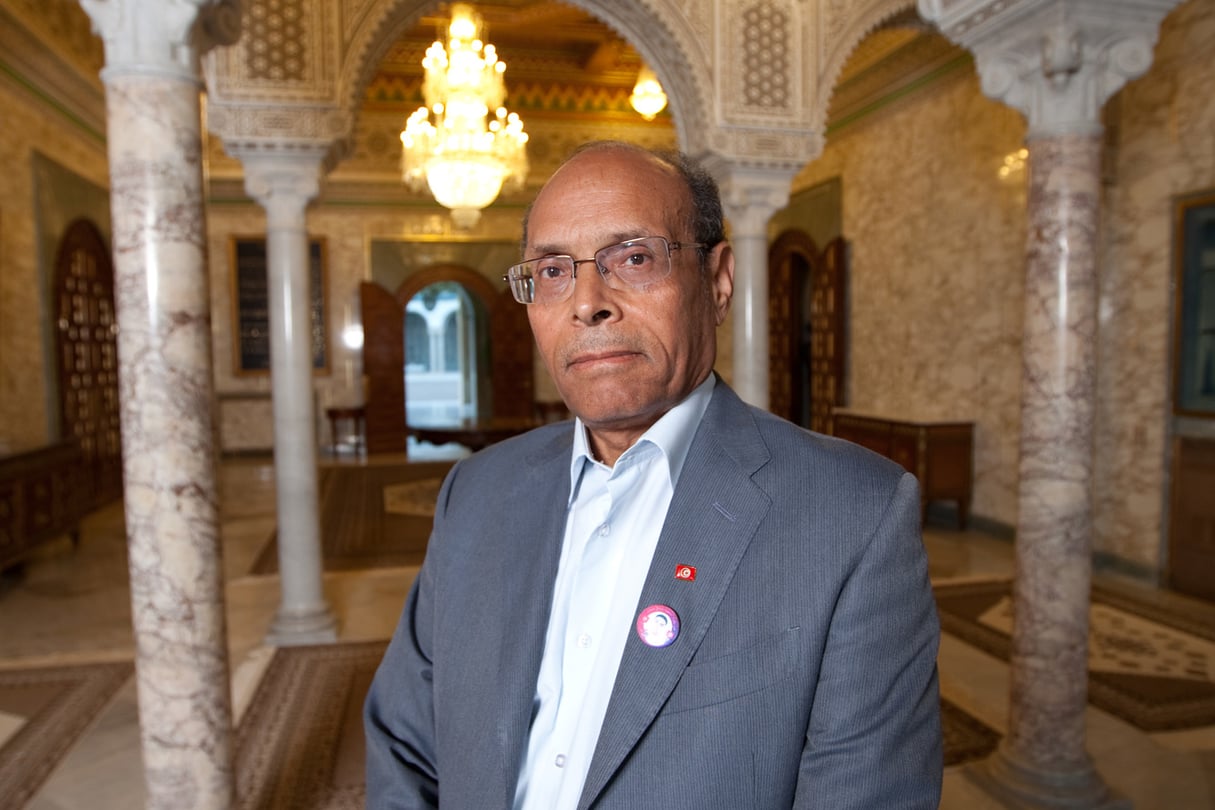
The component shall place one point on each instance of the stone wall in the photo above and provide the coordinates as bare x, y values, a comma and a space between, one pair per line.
936, 261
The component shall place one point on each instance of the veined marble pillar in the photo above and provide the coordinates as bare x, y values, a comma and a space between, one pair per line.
164, 350
750, 197
1057, 61
1044, 753
284, 182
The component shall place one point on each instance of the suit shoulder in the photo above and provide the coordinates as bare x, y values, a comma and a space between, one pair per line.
845, 462
530, 448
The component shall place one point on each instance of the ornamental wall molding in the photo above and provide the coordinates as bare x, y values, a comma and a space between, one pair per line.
843, 25
282, 122
1057, 61
49, 68
64, 28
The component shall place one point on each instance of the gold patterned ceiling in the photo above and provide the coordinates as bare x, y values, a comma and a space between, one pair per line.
560, 62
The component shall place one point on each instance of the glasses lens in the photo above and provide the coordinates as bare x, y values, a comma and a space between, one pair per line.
637, 262
541, 281
521, 285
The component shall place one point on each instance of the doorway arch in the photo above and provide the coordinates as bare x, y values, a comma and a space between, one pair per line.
506, 356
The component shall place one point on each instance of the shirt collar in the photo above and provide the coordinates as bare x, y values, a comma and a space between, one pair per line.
672, 434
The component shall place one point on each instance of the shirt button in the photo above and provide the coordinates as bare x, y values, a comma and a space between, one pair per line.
584, 640
560, 761
605, 530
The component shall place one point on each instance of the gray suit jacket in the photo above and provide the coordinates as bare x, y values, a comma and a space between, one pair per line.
804, 674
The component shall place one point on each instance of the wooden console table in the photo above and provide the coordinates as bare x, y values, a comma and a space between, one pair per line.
939, 454
44, 492
472, 434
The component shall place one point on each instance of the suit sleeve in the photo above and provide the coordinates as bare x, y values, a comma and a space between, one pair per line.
874, 737
398, 715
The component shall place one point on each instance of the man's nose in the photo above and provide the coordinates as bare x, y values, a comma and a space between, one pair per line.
592, 298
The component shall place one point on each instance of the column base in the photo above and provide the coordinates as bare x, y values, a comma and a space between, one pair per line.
298, 629
1022, 788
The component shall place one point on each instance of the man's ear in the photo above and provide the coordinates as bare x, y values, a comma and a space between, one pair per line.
721, 269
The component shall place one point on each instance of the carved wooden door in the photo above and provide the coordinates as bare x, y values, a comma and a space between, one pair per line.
384, 368
806, 323
827, 317
87, 356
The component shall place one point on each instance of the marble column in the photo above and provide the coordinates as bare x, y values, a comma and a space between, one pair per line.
1058, 63
1043, 754
165, 377
750, 197
284, 181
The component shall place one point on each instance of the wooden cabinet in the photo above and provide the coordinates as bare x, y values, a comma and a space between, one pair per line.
939, 454
44, 492
1192, 518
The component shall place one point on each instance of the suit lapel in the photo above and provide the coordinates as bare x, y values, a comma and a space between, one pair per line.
714, 513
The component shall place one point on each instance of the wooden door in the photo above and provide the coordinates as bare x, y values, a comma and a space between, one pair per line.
806, 323
87, 357
512, 382
384, 368
827, 318
1192, 518
511, 347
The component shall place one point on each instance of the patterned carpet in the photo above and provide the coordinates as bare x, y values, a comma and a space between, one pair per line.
300, 745
371, 516
57, 704
1150, 665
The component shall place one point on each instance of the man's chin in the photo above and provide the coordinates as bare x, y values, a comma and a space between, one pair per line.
607, 417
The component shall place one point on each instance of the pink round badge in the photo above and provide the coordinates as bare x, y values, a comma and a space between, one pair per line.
658, 626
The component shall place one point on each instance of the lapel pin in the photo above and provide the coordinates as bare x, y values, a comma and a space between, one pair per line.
658, 626
685, 572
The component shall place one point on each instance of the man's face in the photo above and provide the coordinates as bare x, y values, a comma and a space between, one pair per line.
623, 358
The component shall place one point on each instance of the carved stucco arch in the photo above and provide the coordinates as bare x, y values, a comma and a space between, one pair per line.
857, 26
656, 28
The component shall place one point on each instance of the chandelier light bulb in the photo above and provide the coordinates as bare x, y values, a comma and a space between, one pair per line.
648, 97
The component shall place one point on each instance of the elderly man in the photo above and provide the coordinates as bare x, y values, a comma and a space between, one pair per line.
679, 601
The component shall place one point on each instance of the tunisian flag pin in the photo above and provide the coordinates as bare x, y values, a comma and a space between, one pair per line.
685, 572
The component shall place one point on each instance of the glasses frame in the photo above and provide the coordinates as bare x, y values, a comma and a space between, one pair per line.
611, 279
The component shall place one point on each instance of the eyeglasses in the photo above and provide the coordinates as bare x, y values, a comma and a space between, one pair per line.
633, 264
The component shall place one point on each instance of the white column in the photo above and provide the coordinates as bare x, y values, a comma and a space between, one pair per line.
750, 197
164, 347
284, 181
1057, 62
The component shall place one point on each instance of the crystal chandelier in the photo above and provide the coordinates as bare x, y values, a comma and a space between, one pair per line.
453, 145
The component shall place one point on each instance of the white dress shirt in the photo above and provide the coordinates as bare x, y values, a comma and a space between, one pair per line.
613, 520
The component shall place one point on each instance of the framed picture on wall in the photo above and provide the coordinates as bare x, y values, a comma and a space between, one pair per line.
1194, 324
251, 305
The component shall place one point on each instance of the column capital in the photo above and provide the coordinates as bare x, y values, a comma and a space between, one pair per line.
162, 36
284, 181
1057, 61
751, 195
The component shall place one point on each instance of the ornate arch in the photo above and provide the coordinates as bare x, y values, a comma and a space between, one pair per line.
660, 32
852, 29
467, 278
